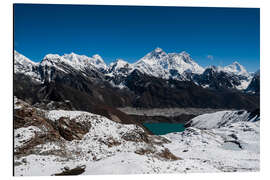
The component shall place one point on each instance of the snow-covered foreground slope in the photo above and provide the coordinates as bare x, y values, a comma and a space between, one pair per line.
227, 140
75, 142
232, 148
83, 140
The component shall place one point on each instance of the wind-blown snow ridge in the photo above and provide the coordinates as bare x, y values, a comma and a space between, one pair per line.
75, 60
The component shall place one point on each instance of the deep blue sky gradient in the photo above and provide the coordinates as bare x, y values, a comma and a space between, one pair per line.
227, 34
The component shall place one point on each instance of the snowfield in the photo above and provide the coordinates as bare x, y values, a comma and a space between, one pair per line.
218, 119
219, 142
219, 147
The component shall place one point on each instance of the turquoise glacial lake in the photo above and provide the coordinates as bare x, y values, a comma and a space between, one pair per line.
164, 128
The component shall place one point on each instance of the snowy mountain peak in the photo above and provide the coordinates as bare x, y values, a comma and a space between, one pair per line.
76, 61
155, 55
19, 58
185, 54
157, 50
24, 65
120, 62
236, 68
52, 56
98, 58
182, 62
118, 65
75, 58
160, 64
98, 62
236, 63
51, 60
72, 54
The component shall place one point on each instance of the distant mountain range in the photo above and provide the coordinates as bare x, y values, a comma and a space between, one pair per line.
178, 66
159, 79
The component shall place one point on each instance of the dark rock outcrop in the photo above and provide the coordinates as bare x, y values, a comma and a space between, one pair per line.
254, 86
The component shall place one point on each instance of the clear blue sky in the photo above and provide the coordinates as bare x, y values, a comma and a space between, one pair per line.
215, 36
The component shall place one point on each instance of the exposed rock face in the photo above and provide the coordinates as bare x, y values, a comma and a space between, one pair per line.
85, 96
143, 91
218, 79
69, 129
151, 92
254, 86
31, 128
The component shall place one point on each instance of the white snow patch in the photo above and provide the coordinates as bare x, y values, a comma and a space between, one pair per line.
217, 119
24, 134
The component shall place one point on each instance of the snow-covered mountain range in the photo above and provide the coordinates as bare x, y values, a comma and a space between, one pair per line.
160, 64
157, 63
79, 62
